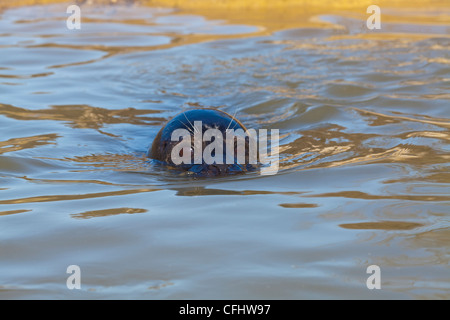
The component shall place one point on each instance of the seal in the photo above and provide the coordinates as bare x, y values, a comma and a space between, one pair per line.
163, 145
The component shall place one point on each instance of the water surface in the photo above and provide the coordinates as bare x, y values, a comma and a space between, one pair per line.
364, 177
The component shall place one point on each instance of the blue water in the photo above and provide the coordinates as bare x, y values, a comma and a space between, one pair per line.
363, 177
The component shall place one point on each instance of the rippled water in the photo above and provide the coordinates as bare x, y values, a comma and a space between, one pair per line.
364, 176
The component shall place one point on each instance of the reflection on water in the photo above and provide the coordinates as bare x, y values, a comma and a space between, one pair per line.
383, 225
364, 136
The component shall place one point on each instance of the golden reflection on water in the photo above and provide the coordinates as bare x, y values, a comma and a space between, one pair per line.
84, 116
381, 119
4, 213
382, 225
107, 212
67, 197
298, 205
16, 144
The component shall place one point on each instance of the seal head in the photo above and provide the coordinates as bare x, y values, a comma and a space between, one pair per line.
163, 145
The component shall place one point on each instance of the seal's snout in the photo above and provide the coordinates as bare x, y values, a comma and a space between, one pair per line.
195, 141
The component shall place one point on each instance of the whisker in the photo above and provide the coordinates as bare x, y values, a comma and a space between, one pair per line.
234, 117
195, 129
185, 125
234, 125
